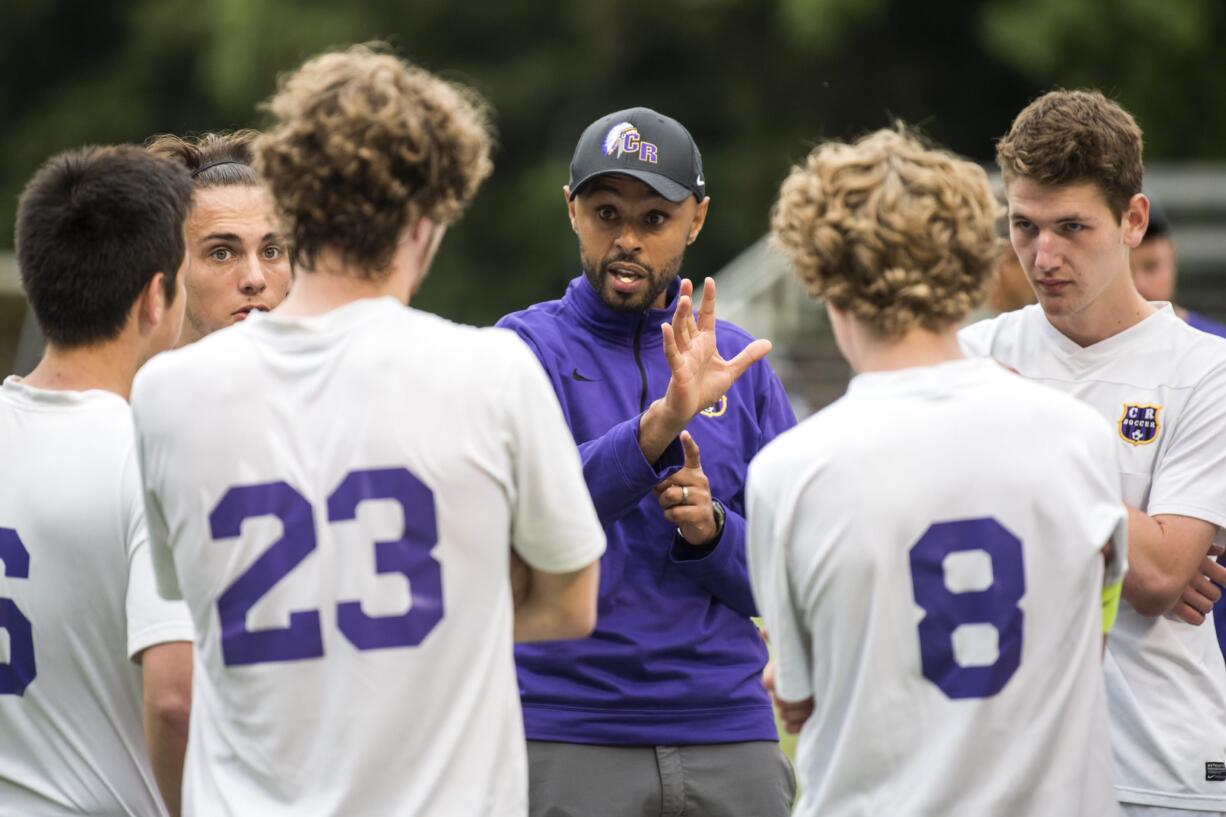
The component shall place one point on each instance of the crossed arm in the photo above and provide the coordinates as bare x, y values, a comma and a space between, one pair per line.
1171, 568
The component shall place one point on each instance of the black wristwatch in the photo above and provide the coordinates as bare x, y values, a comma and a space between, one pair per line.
717, 509
720, 514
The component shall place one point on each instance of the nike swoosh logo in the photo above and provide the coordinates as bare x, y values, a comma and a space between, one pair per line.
575, 374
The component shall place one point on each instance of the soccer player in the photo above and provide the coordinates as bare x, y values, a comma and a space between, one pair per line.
101, 252
1072, 167
239, 263
335, 487
931, 577
662, 708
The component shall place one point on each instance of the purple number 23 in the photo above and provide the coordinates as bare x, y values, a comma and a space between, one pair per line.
409, 555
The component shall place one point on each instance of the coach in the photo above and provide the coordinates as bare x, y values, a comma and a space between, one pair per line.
661, 710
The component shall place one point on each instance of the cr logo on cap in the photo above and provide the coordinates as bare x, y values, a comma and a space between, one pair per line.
624, 138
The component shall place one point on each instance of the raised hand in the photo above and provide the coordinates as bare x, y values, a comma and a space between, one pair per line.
699, 374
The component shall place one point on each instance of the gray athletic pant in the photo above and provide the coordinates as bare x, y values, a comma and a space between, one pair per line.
751, 779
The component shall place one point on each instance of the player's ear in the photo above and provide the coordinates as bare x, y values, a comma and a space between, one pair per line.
422, 232
1136, 220
151, 304
700, 218
570, 208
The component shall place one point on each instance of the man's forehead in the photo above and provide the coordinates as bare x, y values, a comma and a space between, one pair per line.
1083, 197
239, 209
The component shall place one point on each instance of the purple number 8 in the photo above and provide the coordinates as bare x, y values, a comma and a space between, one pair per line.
996, 605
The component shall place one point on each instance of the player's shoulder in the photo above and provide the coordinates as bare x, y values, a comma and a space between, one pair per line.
165, 375
492, 345
92, 405
1199, 352
1163, 350
979, 339
182, 361
1049, 407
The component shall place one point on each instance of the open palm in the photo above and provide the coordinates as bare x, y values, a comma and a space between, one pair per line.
700, 375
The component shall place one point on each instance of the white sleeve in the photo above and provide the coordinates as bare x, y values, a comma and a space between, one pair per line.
1190, 474
151, 619
767, 548
554, 527
1106, 511
158, 533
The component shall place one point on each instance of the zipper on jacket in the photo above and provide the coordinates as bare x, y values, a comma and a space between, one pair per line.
638, 361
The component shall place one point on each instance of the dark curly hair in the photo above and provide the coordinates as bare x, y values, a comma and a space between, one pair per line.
365, 145
895, 233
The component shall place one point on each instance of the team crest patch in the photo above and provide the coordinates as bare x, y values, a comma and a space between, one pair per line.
717, 408
624, 138
1140, 424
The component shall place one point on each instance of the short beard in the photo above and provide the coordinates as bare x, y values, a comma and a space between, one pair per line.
597, 275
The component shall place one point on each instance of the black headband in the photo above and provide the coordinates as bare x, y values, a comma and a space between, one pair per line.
212, 165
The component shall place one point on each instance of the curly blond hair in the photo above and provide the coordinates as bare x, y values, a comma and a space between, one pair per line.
216, 159
1066, 137
365, 145
897, 234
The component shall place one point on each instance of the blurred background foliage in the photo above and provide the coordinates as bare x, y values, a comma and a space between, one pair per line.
756, 81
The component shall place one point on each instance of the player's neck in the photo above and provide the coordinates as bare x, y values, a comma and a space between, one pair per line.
868, 351
107, 366
1118, 308
333, 282
918, 347
317, 293
188, 335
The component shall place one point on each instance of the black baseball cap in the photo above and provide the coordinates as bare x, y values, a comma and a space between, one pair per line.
651, 147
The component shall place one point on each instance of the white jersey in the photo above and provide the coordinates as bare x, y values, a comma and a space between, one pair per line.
1162, 385
335, 497
77, 601
927, 554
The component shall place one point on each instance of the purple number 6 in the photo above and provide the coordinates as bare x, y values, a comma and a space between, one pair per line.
19, 672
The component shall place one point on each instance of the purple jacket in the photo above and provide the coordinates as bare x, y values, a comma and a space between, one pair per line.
674, 659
